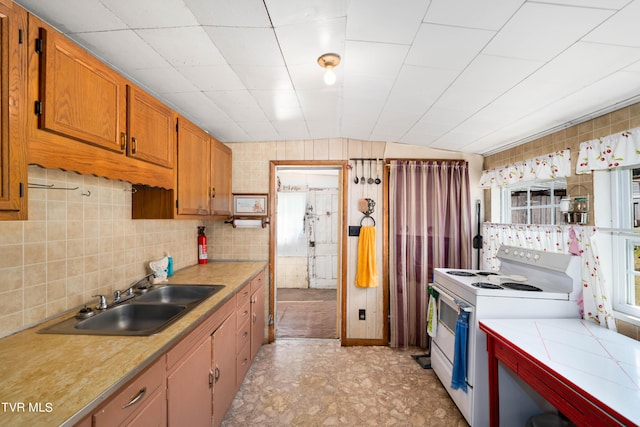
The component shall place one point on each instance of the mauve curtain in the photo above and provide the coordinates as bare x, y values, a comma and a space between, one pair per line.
430, 226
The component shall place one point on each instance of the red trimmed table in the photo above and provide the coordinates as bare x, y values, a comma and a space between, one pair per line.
589, 373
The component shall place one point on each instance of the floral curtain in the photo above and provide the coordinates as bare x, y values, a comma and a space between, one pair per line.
595, 303
620, 149
550, 166
429, 226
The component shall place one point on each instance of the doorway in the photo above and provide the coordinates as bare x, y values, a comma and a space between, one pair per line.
307, 250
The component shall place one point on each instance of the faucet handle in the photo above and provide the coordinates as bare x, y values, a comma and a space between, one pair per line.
102, 303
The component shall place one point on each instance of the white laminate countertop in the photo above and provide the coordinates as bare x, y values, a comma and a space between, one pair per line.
601, 362
50, 379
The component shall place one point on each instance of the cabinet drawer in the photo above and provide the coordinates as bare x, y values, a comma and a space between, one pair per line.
133, 397
257, 282
243, 296
243, 314
243, 337
243, 363
154, 413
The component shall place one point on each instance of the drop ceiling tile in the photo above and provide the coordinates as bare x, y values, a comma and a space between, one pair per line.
73, 16
239, 105
541, 31
451, 48
287, 12
303, 43
237, 13
259, 131
291, 129
320, 105
263, 77
212, 77
163, 80
227, 132
310, 76
373, 59
621, 29
323, 129
417, 88
197, 108
278, 105
384, 21
183, 46
151, 13
247, 46
488, 15
124, 49
576, 66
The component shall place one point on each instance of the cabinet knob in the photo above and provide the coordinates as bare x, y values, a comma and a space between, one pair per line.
123, 140
134, 145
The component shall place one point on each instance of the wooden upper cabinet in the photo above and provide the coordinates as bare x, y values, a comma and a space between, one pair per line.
13, 161
194, 152
221, 173
76, 115
80, 97
151, 128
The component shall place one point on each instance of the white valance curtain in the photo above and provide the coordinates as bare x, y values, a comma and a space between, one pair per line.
546, 167
580, 240
620, 149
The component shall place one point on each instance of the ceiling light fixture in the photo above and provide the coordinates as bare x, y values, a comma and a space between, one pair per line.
329, 61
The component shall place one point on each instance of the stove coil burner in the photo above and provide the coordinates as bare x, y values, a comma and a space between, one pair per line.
485, 285
520, 286
460, 273
486, 273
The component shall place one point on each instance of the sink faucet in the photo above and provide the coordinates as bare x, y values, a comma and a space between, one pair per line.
128, 293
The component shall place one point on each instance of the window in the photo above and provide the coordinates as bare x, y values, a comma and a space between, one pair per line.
534, 203
625, 191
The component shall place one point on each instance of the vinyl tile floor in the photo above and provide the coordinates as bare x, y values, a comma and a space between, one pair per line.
317, 382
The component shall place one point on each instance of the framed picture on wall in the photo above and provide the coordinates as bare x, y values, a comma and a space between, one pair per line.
250, 204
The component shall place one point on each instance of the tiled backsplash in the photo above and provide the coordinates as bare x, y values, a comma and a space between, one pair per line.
79, 243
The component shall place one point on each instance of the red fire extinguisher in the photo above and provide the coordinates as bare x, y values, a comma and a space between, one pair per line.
202, 246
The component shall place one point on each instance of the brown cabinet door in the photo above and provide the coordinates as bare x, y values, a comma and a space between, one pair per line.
224, 368
151, 128
80, 97
194, 152
13, 161
221, 174
189, 388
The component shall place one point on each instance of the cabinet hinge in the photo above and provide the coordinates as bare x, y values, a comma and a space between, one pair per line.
22, 189
38, 108
38, 45
20, 36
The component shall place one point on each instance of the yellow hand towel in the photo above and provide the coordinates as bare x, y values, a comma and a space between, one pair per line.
367, 272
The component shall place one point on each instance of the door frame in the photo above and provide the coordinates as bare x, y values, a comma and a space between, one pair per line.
342, 244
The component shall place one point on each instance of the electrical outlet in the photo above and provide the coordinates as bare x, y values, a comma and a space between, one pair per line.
362, 314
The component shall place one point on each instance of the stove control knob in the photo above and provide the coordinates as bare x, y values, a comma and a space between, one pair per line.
521, 254
528, 255
536, 257
506, 251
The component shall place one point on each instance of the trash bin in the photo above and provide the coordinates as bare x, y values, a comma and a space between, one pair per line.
549, 419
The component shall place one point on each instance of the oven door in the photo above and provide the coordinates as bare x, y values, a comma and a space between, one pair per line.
447, 318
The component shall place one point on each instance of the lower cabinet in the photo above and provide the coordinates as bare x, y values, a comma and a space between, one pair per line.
189, 388
224, 368
196, 381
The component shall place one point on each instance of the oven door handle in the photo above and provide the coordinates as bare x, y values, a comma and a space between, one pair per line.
442, 293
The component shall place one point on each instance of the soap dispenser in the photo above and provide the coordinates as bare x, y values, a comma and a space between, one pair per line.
169, 265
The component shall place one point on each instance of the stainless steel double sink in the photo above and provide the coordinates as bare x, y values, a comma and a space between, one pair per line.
144, 315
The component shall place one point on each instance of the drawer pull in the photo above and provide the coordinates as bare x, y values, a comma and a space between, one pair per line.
137, 398
244, 362
245, 293
245, 313
217, 374
212, 378
246, 334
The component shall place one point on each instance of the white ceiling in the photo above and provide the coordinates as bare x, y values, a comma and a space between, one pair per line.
465, 75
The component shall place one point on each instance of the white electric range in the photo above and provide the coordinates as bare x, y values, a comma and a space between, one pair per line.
529, 284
